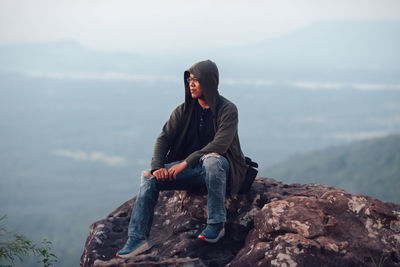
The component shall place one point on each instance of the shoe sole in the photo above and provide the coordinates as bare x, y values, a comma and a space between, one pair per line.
137, 251
215, 240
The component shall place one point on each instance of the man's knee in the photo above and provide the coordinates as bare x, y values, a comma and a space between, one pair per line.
216, 155
211, 162
146, 178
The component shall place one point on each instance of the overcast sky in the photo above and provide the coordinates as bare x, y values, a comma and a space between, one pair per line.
127, 25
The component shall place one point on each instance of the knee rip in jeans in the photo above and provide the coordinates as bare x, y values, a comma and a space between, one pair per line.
211, 162
216, 155
146, 175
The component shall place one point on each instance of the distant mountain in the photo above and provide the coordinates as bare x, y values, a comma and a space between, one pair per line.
369, 45
370, 167
344, 47
64, 56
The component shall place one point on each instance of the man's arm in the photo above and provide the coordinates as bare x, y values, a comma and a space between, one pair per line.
165, 139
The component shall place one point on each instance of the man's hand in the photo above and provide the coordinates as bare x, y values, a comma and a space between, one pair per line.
174, 170
161, 174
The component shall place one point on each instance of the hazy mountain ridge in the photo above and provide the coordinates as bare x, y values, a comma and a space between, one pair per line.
370, 167
333, 45
352, 45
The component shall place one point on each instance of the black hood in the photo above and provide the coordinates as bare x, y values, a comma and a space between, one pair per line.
206, 72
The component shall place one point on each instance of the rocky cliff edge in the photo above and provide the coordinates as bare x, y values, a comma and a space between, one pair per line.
273, 225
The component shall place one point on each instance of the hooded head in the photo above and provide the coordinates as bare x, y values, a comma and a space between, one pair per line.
206, 72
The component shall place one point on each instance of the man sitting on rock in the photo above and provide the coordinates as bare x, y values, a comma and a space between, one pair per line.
197, 148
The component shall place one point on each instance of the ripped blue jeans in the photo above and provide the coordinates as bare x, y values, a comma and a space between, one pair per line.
211, 173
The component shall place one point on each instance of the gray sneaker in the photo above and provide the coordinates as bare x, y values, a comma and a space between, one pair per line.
213, 232
133, 247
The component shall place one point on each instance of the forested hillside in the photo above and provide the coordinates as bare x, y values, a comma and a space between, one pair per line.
369, 167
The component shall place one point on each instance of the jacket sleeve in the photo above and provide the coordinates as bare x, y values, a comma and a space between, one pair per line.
165, 139
227, 126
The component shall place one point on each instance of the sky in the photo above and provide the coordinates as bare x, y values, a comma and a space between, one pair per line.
157, 25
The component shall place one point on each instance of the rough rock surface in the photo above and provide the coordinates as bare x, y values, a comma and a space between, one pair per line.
273, 225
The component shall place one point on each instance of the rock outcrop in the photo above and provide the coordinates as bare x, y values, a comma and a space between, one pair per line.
273, 225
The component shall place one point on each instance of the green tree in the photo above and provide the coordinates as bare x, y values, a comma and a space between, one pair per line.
15, 246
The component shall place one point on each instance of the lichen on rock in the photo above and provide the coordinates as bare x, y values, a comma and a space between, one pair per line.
273, 225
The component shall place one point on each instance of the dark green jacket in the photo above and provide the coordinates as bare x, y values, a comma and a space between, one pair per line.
168, 146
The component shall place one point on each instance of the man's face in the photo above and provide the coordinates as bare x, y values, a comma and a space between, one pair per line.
195, 88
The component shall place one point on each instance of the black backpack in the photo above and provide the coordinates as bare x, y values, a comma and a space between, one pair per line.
251, 174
